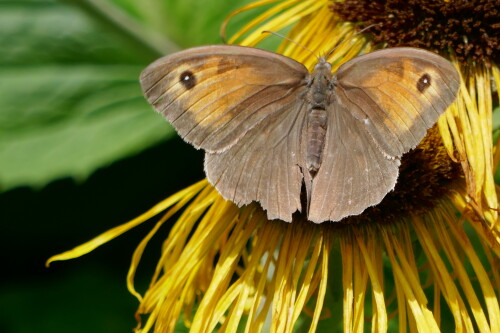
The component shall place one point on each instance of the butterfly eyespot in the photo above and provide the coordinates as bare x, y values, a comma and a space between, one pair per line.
187, 79
424, 82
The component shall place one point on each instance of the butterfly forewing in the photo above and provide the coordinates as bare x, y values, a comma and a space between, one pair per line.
213, 95
397, 93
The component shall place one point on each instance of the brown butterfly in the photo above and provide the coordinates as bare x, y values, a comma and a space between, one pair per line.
271, 129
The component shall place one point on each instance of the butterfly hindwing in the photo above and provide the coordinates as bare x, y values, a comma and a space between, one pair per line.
266, 164
354, 174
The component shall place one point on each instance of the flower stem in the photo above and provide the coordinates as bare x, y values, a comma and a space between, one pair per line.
153, 43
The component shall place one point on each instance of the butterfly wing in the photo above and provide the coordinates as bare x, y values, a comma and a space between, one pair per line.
398, 93
383, 104
213, 95
354, 174
265, 165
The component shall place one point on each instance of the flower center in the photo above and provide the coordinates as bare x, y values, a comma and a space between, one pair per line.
469, 28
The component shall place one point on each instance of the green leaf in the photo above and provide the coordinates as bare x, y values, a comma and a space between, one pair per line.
70, 100
85, 118
496, 118
188, 22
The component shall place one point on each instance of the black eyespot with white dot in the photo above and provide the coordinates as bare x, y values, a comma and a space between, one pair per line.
187, 79
424, 82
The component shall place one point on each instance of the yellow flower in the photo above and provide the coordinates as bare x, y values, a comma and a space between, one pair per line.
424, 259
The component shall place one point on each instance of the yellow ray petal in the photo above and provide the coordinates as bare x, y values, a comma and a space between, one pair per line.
375, 280
180, 198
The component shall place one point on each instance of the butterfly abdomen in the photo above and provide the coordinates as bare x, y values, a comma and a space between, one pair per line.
316, 132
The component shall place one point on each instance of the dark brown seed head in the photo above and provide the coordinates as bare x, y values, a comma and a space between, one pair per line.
469, 28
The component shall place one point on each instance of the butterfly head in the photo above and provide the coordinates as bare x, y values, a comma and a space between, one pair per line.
322, 66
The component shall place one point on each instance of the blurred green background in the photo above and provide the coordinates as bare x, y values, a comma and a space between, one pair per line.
81, 151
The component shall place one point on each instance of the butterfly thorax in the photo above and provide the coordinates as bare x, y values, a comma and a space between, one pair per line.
320, 88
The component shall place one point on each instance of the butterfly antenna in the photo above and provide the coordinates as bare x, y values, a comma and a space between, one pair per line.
356, 34
290, 40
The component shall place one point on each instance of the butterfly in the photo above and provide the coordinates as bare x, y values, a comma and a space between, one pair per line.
272, 130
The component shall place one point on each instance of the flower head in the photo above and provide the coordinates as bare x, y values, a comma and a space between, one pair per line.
428, 251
